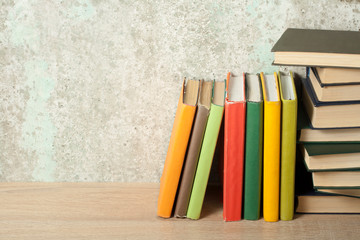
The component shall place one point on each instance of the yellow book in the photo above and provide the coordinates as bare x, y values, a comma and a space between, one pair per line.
271, 153
288, 145
177, 147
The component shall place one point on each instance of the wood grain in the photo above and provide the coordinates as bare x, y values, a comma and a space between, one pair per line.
128, 211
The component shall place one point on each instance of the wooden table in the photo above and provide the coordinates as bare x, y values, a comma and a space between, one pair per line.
128, 211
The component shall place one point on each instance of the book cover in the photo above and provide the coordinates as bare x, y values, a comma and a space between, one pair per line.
253, 148
271, 158
177, 147
234, 134
309, 47
288, 145
194, 148
207, 151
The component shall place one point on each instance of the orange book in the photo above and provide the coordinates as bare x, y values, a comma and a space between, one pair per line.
177, 147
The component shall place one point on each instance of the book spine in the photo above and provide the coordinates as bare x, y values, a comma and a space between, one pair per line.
205, 161
233, 160
253, 160
272, 112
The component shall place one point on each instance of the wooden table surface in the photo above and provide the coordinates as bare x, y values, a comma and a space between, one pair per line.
128, 211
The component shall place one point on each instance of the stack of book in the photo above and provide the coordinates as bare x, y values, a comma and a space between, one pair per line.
330, 125
259, 113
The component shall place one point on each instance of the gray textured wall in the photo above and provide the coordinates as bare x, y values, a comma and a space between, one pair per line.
88, 89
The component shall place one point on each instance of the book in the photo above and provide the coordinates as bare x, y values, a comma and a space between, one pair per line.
336, 179
329, 114
315, 202
207, 151
177, 147
330, 93
253, 147
234, 136
288, 145
335, 156
342, 192
308, 134
191, 160
335, 76
271, 158
329, 135
308, 47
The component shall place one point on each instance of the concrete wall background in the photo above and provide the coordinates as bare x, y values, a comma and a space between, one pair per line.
88, 89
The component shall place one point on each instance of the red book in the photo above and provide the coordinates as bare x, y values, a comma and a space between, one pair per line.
234, 139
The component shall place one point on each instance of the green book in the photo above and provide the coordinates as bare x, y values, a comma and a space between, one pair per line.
207, 152
331, 156
288, 145
253, 148
331, 148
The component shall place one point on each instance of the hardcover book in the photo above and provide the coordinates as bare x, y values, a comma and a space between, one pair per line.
336, 179
194, 148
253, 147
177, 147
311, 201
328, 93
207, 151
272, 124
234, 136
338, 76
288, 145
331, 156
329, 114
307, 47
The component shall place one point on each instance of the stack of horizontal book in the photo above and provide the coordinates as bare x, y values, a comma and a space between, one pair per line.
330, 129
259, 114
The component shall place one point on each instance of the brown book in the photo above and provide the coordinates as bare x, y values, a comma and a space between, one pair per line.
307, 47
194, 149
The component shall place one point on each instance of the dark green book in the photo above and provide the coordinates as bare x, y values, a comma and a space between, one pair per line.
331, 156
253, 148
310, 47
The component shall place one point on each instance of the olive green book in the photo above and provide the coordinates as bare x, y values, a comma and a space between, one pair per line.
207, 152
288, 145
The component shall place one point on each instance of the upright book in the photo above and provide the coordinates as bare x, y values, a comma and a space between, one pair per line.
177, 147
272, 124
253, 147
207, 151
234, 136
307, 47
288, 145
194, 148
